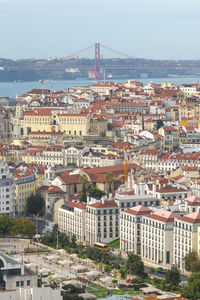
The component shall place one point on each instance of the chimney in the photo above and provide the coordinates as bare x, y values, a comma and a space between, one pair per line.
103, 200
136, 189
142, 121
186, 206
142, 189
154, 190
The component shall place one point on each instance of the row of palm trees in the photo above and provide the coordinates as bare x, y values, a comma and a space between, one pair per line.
84, 180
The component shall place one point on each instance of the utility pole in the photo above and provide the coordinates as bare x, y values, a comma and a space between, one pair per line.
57, 239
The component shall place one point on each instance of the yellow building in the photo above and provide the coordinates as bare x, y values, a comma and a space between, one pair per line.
25, 184
52, 120
186, 112
175, 113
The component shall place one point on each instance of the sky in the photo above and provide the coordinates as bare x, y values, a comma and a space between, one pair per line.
153, 29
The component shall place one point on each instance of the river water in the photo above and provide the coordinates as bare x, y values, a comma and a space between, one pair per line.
11, 89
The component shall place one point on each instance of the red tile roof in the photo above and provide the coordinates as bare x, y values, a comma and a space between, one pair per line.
163, 215
106, 204
79, 205
191, 218
70, 179
46, 112
138, 210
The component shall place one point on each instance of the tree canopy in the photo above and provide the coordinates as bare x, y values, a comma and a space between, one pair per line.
192, 290
135, 265
95, 193
192, 262
159, 124
22, 226
35, 204
172, 276
84, 180
5, 225
110, 179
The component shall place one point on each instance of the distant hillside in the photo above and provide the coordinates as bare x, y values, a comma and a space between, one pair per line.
58, 69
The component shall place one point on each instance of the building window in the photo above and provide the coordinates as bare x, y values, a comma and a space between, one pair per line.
22, 283
28, 282
17, 283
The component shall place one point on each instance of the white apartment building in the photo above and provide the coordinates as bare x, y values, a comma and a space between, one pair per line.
7, 190
168, 161
186, 237
169, 192
188, 90
157, 237
95, 160
73, 154
102, 222
130, 228
71, 220
104, 89
139, 196
50, 156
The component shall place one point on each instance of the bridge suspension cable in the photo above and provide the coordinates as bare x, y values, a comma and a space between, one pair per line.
81, 51
117, 52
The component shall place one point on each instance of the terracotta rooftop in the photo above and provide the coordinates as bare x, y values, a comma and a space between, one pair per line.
163, 215
79, 205
138, 210
106, 204
191, 218
70, 179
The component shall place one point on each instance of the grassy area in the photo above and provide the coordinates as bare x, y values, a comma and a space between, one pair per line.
97, 290
115, 244
101, 292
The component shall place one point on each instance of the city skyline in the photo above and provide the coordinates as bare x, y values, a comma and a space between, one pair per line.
142, 28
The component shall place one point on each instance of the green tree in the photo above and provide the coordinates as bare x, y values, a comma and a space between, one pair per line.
159, 124
109, 180
192, 290
23, 226
5, 225
172, 277
107, 268
35, 204
100, 266
95, 193
84, 180
73, 242
192, 262
122, 272
151, 271
135, 265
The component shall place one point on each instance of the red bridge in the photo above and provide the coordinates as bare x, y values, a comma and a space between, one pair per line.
97, 64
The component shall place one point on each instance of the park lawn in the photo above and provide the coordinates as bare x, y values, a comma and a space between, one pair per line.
115, 244
101, 292
95, 288
122, 292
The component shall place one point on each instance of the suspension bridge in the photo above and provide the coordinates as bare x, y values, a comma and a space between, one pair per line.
99, 63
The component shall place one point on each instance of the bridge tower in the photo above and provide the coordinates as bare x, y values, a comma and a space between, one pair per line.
97, 62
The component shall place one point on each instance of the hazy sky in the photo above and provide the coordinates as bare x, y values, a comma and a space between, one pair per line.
159, 29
